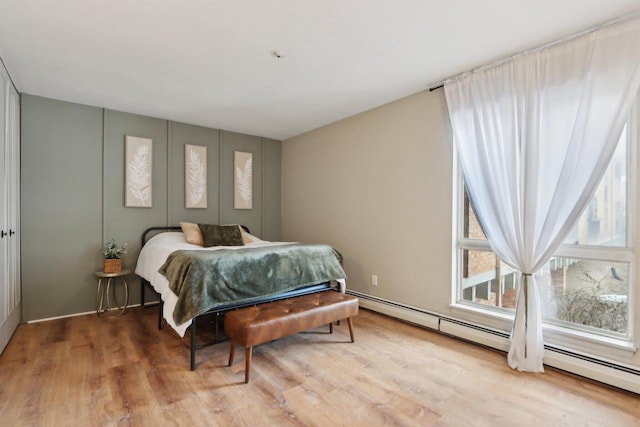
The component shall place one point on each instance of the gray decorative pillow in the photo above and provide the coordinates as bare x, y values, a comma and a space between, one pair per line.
221, 235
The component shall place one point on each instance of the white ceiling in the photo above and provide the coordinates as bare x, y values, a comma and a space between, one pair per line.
209, 62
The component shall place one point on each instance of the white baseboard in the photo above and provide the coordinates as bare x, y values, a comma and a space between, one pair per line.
46, 319
412, 316
484, 336
606, 371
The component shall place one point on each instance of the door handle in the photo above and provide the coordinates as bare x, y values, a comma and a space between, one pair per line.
2, 234
11, 232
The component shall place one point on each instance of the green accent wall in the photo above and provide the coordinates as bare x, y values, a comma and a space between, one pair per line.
271, 187
73, 195
61, 206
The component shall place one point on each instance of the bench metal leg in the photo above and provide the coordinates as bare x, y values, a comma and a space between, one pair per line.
331, 327
351, 329
247, 364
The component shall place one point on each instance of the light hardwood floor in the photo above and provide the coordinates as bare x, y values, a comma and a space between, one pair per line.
91, 370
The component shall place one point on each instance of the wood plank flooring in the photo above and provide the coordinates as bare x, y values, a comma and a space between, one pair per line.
92, 371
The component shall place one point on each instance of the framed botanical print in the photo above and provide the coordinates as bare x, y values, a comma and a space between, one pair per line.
138, 172
243, 180
195, 176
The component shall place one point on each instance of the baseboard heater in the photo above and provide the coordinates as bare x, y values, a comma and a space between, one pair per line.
608, 372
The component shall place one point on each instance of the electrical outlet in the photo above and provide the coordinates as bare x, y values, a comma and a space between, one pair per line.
374, 280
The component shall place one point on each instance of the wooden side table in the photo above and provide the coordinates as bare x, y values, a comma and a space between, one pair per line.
101, 307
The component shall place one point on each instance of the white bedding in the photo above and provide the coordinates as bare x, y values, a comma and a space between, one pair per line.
155, 253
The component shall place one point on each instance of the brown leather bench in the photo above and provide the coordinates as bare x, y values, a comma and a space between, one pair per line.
266, 322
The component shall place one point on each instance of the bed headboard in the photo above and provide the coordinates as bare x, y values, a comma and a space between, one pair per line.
152, 231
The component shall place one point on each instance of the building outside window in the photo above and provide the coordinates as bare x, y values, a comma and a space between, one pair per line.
591, 273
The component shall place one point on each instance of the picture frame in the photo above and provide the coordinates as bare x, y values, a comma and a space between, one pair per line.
195, 176
243, 180
138, 185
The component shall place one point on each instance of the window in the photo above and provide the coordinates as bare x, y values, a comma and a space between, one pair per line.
591, 273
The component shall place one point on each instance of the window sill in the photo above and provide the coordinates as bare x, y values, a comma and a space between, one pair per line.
489, 318
464, 308
554, 335
559, 335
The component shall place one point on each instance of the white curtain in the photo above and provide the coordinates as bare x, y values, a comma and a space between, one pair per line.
534, 136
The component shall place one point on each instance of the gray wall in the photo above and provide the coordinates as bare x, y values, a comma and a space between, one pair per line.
73, 194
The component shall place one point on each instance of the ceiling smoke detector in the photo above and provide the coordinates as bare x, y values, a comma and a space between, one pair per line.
277, 54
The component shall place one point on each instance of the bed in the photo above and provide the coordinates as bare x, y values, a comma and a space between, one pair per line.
165, 248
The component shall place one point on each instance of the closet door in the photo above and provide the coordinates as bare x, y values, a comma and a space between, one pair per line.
13, 206
10, 312
4, 229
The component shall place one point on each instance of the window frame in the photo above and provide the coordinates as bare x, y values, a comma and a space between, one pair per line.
626, 254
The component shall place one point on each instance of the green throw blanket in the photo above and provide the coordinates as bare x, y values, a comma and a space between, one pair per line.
203, 280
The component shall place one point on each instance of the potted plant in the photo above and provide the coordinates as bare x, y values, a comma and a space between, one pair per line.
112, 256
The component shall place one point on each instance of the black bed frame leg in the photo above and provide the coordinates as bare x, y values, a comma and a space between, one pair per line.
217, 326
193, 345
142, 285
160, 311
